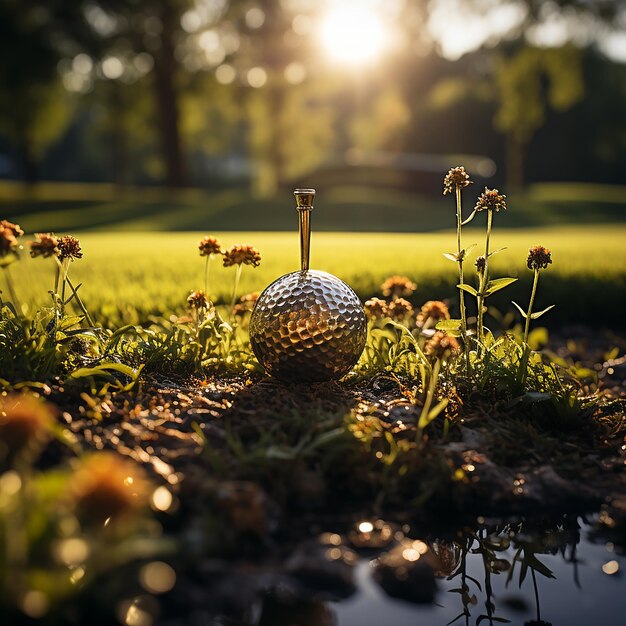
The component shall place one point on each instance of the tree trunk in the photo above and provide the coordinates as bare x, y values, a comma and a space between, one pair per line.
165, 66
28, 164
515, 150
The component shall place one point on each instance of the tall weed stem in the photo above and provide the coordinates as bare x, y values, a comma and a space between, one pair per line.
484, 280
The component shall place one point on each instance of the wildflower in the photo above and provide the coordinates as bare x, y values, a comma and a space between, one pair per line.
197, 300
376, 308
69, 248
14, 228
105, 485
396, 286
45, 245
481, 263
246, 304
538, 258
441, 345
456, 177
209, 245
399, 309
432, 311
491, 200
24, 419
8, 241
240, 254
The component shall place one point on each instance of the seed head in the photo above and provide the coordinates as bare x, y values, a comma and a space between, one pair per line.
238, 254
456, 177
396, 286
197, 300
538, 258
481, 264
209, 245
399, 309
442, 345
14, 228
434, 311
106, 485
24, 419
45, 245
69, 248
491, 200
376, 308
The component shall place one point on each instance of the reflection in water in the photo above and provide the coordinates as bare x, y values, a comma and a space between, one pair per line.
487, 575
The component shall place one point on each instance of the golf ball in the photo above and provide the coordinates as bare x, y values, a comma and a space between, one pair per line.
308, 326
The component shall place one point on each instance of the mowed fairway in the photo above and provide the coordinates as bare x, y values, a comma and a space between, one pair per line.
126, 277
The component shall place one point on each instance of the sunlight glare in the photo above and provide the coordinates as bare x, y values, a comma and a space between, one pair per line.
353, 35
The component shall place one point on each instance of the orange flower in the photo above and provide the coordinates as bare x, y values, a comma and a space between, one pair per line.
538, 258
209, 245
45, 245
376, 308
69, 248
396, 286
442, 345
456, 177
106, 485
242, 254
24, 418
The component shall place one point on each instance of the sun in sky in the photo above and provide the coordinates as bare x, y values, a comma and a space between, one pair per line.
353, 33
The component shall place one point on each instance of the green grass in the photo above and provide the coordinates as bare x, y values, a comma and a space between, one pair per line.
128, 276
87, 207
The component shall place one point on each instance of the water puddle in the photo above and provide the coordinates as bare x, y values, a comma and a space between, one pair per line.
525, 573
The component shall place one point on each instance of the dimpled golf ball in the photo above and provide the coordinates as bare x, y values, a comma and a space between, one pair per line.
308, 326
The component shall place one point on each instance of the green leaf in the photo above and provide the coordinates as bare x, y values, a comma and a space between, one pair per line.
449, 325
451, 256
84, 372
468, 288
470, 218
519, 308
497, 284
538, 314
496, 251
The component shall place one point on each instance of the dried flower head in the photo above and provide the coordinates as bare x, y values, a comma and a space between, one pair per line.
24, 419
491, 200
481, 264
209, 245
14, 228
8, 241
45, 245
538, 258
376, 308
106, 485
456, 177
69, 248
396, 286
239, 254
246, 304
433, 311
399, 309
197, 300
442, 345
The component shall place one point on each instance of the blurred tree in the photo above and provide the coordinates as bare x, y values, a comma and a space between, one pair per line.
34, 108
526, 83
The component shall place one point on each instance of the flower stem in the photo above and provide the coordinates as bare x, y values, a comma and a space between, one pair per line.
235, 288
523, 370
459, 220
80, 303
207, 272
11, 290
533, 293
484, 279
